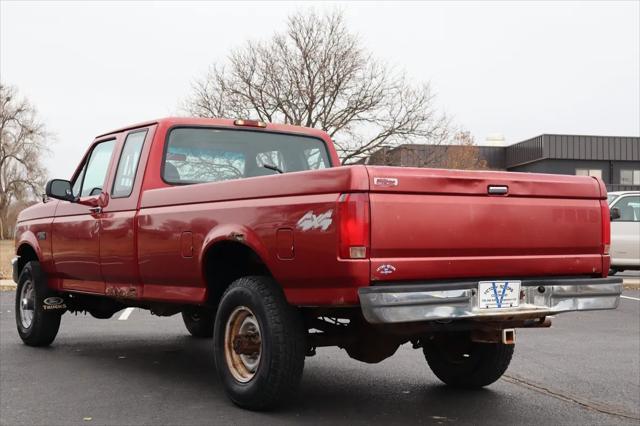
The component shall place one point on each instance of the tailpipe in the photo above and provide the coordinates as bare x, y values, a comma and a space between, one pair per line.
509, 336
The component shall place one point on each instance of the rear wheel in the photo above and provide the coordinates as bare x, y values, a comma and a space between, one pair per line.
259, 344
613, 271
459, 362
36, 326
199, 321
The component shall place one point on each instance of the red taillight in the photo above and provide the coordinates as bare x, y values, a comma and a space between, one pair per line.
353, 214
250, 123
606, 226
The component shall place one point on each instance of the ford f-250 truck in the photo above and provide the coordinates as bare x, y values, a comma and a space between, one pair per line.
260, 240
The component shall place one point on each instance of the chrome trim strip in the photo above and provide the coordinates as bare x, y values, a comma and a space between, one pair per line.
384, 305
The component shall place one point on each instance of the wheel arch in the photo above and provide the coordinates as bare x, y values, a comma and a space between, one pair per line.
27, 253
227, 255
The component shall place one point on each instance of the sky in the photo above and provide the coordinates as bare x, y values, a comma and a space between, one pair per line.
517, 69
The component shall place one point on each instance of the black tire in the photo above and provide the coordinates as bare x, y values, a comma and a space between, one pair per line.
282, 348
459, 362
44, 325
613, 271
199, 322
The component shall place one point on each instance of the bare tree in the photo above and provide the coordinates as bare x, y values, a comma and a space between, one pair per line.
317, 74
22, 143
459, 152
464, 154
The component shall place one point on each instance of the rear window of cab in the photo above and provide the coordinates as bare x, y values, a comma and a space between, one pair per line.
198, 155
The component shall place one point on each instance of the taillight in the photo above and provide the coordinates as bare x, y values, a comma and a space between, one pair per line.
353, 214
606, 226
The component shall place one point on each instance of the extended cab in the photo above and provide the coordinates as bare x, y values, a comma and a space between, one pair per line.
258, 238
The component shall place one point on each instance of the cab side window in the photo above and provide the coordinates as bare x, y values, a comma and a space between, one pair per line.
128, 164
629, 208
91, 178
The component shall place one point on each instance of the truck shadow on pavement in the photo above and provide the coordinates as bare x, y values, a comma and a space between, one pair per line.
334, 388
149, 371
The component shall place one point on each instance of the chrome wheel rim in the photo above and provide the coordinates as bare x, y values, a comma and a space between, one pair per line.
242, 344
27, 303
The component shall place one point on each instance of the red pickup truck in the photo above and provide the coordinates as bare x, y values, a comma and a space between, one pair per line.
259, 239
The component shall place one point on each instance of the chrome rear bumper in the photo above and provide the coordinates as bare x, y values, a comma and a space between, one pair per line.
397, 303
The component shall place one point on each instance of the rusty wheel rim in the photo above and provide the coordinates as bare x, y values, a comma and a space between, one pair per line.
242, 344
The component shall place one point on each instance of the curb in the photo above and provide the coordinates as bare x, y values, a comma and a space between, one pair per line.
631, 283
7, 285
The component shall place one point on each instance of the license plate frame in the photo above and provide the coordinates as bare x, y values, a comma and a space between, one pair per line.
499, 294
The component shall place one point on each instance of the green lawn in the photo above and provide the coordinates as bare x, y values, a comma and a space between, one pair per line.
6, 253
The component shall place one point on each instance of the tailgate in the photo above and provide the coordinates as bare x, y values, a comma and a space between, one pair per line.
439, 224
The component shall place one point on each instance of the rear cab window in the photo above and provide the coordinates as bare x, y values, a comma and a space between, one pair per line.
198, 155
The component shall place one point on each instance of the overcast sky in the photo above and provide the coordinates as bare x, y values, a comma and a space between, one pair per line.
519, 69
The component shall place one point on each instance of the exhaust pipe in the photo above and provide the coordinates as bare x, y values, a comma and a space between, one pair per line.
509, 336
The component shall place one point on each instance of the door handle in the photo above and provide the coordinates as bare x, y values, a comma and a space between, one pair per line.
498, 189
96, 210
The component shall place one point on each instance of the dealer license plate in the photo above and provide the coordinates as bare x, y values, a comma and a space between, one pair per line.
498, 294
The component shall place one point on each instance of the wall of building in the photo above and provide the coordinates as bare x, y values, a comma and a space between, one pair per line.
623, 165
576, 147
568, 167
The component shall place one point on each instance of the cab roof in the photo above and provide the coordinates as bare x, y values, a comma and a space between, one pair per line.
224, 122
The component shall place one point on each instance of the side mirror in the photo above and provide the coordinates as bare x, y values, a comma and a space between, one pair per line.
60, 189
614, 213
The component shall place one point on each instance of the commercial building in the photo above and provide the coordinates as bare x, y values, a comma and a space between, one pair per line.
616, 159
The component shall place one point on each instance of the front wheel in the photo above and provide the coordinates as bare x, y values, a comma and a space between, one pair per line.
36, 325
460, 362
199, 322
259, 344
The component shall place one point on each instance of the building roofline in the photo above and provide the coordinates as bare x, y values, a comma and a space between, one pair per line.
575, 135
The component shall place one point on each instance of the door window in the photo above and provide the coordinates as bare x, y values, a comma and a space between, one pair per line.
629, 208
128, 164
77, 184
94, 173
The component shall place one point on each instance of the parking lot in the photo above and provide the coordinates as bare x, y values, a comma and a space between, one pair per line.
146, 370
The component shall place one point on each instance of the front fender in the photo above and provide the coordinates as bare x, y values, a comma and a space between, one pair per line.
29, 238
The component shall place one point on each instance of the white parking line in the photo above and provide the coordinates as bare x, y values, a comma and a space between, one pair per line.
631, 298
125, 315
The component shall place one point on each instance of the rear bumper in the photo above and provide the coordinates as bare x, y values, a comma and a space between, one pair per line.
397, 303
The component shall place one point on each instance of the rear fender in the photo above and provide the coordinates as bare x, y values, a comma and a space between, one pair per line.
235, 233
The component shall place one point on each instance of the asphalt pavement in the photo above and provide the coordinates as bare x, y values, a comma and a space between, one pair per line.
145, 370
